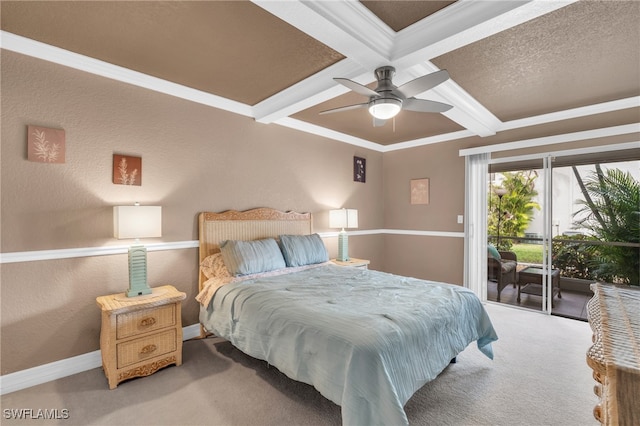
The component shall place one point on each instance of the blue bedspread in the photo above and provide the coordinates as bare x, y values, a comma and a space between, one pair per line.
366, 340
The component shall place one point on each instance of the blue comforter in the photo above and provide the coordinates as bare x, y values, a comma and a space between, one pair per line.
366, 340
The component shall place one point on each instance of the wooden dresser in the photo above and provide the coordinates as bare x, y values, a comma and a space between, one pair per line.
140, 335
614, 316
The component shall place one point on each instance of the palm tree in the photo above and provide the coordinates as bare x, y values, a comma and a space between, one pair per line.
515, 208
611, 212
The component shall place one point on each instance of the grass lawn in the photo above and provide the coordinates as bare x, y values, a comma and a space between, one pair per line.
528, 253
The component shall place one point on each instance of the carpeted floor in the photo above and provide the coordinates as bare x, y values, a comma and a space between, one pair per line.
538, 377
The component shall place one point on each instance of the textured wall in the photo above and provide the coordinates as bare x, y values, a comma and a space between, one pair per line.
194, 158
428, 257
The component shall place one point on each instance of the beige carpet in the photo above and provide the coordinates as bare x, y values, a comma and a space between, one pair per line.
538, 377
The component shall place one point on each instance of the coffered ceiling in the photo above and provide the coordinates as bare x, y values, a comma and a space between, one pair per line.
521, 68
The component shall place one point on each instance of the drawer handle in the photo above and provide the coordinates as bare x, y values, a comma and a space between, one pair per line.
148, 349
146, 322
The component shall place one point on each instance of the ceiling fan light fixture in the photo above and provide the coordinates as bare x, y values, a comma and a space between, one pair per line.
385, 108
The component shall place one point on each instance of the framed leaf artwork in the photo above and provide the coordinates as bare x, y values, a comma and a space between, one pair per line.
127, 170
359, 169
419, 191
45, 145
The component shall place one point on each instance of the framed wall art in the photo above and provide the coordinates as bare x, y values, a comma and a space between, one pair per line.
419, 191
127, 170
359, 169
45, 145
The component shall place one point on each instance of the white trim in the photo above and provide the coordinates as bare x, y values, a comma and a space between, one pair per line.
464, 23
568, 114
550, 140
275, 106
328, 133
58, 369
423, 233
568, 152
66, 367
36, 255
70, 59
309, 92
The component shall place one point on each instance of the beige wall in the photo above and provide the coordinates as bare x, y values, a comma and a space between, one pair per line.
428, 257
194, 158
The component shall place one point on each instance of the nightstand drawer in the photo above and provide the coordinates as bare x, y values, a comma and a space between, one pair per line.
146, 320
147, 347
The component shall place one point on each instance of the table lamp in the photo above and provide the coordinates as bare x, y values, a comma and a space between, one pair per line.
137, 222
343, 218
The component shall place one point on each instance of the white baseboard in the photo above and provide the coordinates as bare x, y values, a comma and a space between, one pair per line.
65, 367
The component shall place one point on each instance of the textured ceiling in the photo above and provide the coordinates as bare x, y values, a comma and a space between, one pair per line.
512, 63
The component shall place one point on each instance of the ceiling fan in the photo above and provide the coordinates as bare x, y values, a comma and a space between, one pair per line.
387, 100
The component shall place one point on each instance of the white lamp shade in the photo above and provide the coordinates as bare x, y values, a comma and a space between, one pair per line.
137, 222
343, 218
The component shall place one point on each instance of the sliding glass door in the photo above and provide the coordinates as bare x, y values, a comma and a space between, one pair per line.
561, 220
557, 224
519, 235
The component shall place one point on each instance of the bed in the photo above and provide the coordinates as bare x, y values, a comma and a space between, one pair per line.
365, 339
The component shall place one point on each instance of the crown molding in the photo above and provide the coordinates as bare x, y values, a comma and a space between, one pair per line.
633, 102
429, 140
550, 140
80, 62
328, 133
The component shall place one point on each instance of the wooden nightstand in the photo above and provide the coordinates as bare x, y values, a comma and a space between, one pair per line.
353, 263
140, 335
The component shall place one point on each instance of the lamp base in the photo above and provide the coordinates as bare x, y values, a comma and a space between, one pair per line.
343, 247
138, 271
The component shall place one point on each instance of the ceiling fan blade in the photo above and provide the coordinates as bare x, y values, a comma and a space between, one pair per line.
344, 108
356, 87
423, 105
422, 84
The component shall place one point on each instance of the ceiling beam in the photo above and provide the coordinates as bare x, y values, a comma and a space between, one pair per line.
463, 23
346, 27
316, 89
46, 52
354, 31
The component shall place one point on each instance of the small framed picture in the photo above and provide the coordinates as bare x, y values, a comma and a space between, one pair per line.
127, 170
359, 169
45, 145
419, 191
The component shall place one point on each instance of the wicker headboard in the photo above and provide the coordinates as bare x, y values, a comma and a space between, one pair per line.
215, 228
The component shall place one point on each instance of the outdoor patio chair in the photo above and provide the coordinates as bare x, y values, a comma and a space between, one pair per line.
502, 269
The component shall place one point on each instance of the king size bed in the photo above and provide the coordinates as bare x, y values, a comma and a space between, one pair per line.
365, 339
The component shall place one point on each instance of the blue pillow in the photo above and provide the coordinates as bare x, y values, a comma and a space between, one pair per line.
300, 250
493, 252
251, 257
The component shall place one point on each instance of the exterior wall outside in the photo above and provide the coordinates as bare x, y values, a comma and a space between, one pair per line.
194, 158
565, 193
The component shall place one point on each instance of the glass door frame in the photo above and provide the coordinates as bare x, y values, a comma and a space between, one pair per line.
547, 231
